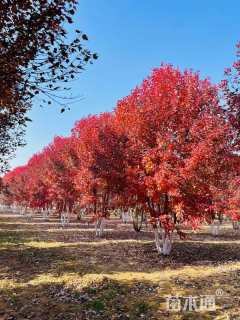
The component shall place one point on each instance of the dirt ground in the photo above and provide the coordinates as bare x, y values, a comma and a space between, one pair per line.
49, 272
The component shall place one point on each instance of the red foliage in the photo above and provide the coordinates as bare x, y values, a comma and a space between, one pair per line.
165, 149
178, 140
100, 178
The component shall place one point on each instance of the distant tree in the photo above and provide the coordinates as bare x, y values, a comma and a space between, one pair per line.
47, 180
35, 59
16, 182
101, 173
231, 98
231, 94
60, 161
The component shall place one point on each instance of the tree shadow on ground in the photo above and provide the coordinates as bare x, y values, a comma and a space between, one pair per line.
226, 235
112, 299
43, 279
25, 262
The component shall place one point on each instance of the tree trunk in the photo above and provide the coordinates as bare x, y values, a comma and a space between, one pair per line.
64, 218
99, 226
165, 247
157, 240
167, 243
137, 218
45, 215
125, 217
235, 225
215, 228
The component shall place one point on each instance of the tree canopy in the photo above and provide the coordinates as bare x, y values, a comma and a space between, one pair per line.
167, 149
36, 58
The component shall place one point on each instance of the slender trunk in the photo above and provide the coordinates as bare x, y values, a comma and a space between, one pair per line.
29, 214
164, 247
64, 218
157, 240
45, 215
102, 225
146, 221
235, 225
137, 219
99, 226
215, 228
167, 243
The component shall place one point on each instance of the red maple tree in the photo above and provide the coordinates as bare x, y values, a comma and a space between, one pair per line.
178, 139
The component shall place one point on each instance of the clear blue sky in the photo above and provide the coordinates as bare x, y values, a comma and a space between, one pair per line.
132, 37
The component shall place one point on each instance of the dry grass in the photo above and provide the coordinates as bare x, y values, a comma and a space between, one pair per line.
47, 272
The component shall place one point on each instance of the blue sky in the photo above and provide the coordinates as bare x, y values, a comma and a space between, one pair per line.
133, 37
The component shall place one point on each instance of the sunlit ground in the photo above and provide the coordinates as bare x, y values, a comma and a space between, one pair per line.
49, 272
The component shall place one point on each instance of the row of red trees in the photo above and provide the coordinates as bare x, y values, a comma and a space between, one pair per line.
170, 149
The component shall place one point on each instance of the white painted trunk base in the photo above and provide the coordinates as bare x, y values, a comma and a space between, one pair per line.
64, 218
45, 215
215, 228
99, 227
235, 225
164, 245
126, 217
